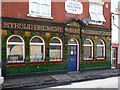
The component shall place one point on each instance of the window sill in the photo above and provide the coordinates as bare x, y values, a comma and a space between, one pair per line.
93, 23
56, 62
16, 64
38, 63
90, 60
39, 16
101, 60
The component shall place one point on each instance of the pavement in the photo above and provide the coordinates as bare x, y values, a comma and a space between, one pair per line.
59, 79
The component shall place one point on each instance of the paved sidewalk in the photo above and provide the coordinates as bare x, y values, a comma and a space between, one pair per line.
59, 79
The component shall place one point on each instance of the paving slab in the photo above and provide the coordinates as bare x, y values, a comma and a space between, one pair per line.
61, 77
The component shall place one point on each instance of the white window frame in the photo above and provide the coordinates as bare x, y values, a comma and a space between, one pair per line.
89, 45
32, 43
113, 58
16, 43
103, 47
56, 44
98, 22
40, 15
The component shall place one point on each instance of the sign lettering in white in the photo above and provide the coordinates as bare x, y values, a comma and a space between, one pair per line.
73, 7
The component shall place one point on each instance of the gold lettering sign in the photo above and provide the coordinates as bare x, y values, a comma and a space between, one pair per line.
94, 32
31, 27
72, 30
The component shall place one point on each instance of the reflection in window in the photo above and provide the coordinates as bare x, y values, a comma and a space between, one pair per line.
100, 49
55, 49
37, 49
88, 49
15, 49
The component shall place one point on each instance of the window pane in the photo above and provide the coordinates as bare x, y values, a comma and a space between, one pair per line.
99, 9
36, 40
15, 53
87, 42
94, 16
87, 52
36, 52
55, 54
92, 7
100, 52
72, 41
55, 47
35, 7
72, 48
15, 39
45, 9
54, 40
99, 42
114, 53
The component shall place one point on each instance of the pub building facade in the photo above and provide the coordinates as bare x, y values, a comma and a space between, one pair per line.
55, 37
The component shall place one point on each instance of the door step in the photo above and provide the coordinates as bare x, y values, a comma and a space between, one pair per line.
74, 72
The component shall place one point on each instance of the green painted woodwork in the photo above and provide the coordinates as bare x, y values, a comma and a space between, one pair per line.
53, 67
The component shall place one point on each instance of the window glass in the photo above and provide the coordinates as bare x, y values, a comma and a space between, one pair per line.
54, 40
88, 49
15, 49
87, 52
15, 53
99, 42
45, 9
114, 53
100, 52
40, 7
100, 49
72, 41
15, 39
37, 47
87, 42
96, 13
36, 52
36, 40
55, 49
35, 8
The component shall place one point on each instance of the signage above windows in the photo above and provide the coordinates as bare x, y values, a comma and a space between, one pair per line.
24, 26
73, 7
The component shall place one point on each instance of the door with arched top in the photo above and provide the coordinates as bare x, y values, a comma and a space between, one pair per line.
72, 55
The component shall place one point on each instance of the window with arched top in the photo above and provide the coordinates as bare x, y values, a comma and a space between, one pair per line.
100, 49
56, 49
15, 49
37, 49
88, 49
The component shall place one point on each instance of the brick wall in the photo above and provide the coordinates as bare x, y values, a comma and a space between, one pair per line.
21, 9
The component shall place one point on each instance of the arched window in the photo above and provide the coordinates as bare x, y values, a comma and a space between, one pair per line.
55, 49
100, 49
88, 49
15, 49
37, 49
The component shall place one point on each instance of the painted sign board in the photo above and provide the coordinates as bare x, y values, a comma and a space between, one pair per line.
74, 7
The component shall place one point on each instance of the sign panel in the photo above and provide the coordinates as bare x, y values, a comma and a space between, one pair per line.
73, 7
94, 32
25, 26
72, 30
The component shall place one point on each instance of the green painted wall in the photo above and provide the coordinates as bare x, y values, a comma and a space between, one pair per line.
53, 67
33, 68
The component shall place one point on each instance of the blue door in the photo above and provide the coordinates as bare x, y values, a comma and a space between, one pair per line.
72, 58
